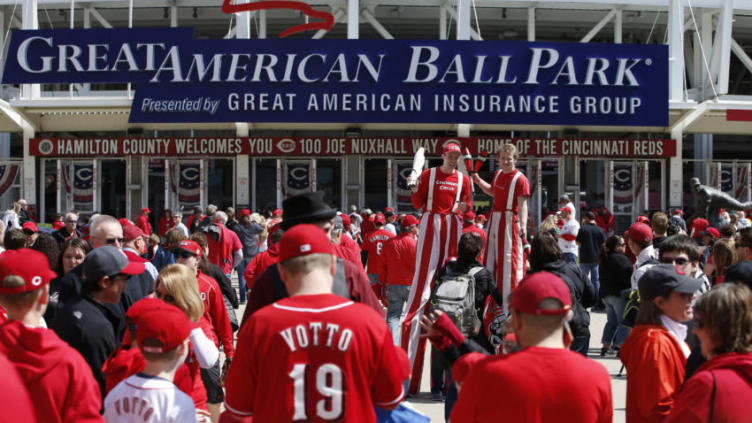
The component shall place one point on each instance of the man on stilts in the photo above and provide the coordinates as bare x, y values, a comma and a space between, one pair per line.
443, 194
507, 228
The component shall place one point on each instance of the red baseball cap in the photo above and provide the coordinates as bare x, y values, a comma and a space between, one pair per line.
469, 216
678, 211
277, 212
640, 233
643, 219
379, 219
244, 212
124, 222
303, 239
389, 209
132, 232
160, 327
145, 210
30, 226
190, 246
345, 220
451, 146
537, 287
566, 209
700, 225
482, 217
409, 220
30, 265
712, 232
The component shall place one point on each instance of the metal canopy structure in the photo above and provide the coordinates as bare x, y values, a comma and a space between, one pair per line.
709, 64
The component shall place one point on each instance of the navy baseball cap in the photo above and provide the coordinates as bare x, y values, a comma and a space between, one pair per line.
740, 272
661, 279
108, 261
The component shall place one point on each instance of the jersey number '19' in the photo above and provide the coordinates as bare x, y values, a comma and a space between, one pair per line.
329, 382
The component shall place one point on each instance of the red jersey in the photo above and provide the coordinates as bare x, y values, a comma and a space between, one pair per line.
374, 244
215, 312
536, 385
398, 260
143, 224
501, 186
441, 193
316, 358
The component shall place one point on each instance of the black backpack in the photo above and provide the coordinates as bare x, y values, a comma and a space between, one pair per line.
633, 300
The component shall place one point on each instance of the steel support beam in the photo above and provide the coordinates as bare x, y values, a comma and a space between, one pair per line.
463, 19
531, 23
473, 33
339, 14
618, 26
724, 30
675, 50
353, 19
368, 16
741, 54
98, 16
443, 22
593, 32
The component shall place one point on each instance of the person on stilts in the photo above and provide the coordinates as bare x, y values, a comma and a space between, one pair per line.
443, 194
506, 233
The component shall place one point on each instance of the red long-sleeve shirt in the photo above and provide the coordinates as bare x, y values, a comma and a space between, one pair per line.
259, 263
215, 312
445, 188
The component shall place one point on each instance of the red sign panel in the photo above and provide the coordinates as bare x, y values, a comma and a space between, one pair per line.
334, 146
739, 115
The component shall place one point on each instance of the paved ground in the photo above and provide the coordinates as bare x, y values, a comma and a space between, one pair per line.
618, 384
435, 410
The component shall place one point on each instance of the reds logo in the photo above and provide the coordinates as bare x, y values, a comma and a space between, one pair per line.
326, 24
286, 145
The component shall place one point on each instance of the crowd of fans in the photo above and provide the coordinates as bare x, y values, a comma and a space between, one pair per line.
118, 320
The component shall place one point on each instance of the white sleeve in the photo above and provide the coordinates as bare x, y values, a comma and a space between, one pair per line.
207, 353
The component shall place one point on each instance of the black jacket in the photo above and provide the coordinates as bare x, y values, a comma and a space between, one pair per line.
581, 289
92, 329
615, 274
225, 285
61, 235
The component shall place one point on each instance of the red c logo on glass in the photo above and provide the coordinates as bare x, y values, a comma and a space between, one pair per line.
326, 24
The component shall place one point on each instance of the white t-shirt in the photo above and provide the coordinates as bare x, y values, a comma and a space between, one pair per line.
147, 399
568, 237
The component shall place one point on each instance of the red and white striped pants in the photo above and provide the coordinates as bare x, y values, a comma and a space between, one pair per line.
504, 254
437, 242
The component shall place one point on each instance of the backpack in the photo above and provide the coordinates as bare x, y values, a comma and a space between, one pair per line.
633, 301
455, 296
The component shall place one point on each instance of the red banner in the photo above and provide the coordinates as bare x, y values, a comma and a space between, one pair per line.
333, 146
739, 115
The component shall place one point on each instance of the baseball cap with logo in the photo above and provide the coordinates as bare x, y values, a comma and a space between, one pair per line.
303, 239
30, 265
535, 288
160, 327
640, 233
380, 218
132, 232
108, 261
409, 220
450, 147
189, 246
663, 278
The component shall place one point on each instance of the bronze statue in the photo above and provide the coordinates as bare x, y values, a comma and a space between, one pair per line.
709, 201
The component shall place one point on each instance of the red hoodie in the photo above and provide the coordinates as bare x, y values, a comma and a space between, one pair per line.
56, 376
14, 393
731, 376
259, 263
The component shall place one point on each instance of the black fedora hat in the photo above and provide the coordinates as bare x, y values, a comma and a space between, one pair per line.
305, 208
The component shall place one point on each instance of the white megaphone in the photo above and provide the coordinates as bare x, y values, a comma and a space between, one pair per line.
418, 161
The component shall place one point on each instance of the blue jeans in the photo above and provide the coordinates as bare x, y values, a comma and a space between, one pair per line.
396, 296
614, 333
571, 258
241, 279
591, 270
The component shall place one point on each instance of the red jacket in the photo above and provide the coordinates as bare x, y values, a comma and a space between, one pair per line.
58, 379
164, 226
143, 224
220, 252
731, 374
366, 227
259, 263
655, 366
353, 249
398, 260
215, 312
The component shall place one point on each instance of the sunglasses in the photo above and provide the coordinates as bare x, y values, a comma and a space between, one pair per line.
72, 221
165, 297
185, 255
679, 261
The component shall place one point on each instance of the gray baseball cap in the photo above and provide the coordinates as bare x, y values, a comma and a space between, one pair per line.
108, 261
